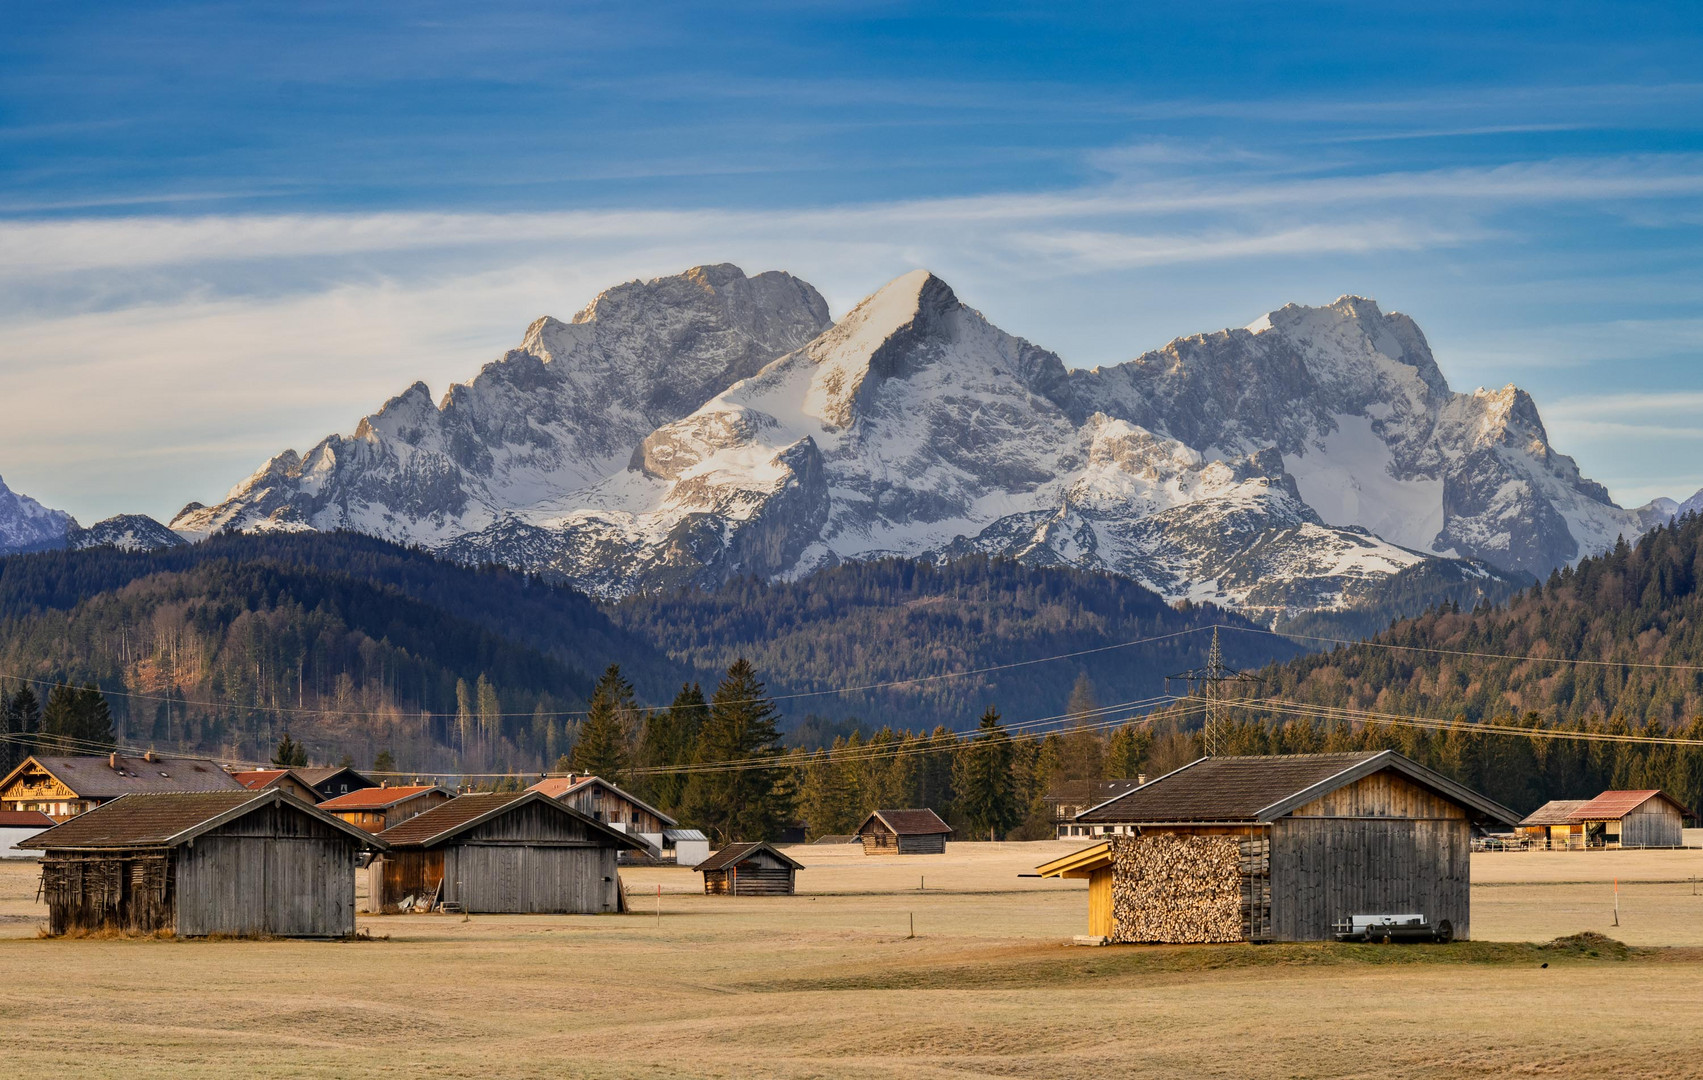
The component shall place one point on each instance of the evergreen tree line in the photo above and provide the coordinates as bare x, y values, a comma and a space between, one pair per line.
75, 720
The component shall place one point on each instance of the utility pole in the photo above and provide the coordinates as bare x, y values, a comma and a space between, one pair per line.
1212, 681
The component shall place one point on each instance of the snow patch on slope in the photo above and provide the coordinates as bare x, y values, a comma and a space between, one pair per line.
1348, 476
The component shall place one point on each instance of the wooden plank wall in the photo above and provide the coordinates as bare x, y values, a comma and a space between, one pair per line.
1100, 922
532, 859
275, 871
1326, 869
1385, 794
932, 844
397, 875
1655, 824
123, 890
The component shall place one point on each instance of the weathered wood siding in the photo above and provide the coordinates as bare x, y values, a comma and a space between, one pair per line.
396, 875
275, 871
1100, 919
880, 841
1384, 794
1657, 823
931, 844
120, 890
1324, 869
532, 860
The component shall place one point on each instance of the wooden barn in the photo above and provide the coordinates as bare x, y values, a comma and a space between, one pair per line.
1632, 819
521, 852
1280, 848
376, 809
903, 832
283, 779
602, 801
242, 863
1552, 826
749, 870
63, 786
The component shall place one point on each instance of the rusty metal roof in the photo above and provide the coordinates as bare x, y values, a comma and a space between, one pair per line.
734, 854
107, 776
168, 819
1259, 789
378, 798
445, 821
1614, 805
1553, 812
908, 822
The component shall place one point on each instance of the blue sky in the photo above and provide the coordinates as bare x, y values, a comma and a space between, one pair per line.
227, 228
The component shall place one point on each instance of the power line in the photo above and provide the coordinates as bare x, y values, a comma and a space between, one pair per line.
1367, 643
1329, 712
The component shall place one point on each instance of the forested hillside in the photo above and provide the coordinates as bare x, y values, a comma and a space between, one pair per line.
879, 622
350, 643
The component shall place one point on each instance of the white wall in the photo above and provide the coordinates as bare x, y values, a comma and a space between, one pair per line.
10, 837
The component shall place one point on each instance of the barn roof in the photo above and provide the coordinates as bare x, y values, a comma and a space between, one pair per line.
733, 854
1078, 864
558, 787
378, 798
107, 776
1262, 789
167, 819
1087, 792
908, 822
1614, 805
316, 775
24, 819
1554, 812
448, 820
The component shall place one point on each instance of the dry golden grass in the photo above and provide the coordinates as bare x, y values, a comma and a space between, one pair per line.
828, 984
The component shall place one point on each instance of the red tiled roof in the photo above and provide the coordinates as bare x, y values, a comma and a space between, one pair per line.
255, 779
24, 819
376, 798
1613, 805
908, 822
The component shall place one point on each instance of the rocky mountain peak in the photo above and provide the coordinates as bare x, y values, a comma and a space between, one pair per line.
27, 525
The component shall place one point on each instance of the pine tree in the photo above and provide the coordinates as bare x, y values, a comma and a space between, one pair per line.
385, 762
605, 736
290, 754
670, 737
1126, 752
982, 780
77, 720
750, 801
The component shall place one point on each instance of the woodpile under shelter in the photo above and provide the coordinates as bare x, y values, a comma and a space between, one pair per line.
749, 870
521, 852
1632, 819
1552, 826
284, 779
63, 786
1280, 848
376, 809
242, 863
903, 832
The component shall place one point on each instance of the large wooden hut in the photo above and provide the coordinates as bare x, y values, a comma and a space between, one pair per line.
516, 853
1552, 826
1632, 819
621, 810
243, 863
903, 832
749, 870
1280, 848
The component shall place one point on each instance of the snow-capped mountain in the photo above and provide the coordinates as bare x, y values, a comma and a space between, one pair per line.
127, 532
692, 428
26, 525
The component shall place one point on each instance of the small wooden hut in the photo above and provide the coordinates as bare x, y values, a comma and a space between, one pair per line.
1552, 826
903, 832
1280, 848
376, 809
1632, 819
522, 852
749, 870
242, 863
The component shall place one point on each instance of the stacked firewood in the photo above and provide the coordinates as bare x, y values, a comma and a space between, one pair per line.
1176, 889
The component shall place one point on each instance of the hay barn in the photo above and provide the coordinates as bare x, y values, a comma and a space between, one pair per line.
283, 779
515, 853
903, 832
63, 786
749, 870
622, 811
1280, 848
379, 808
1632, 819
242, 863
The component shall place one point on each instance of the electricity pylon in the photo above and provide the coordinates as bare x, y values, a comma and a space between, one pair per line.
1213, 680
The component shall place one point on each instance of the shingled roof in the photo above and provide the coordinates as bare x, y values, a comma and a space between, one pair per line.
1261, 789
378, 798
908, 822
1553, 812
446, 820
734, 854
107, 776
168, 819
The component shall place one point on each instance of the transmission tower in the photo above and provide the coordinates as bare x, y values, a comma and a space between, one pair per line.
1213, 681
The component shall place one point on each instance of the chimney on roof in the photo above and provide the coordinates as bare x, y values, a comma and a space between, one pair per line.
112, 761
384, 783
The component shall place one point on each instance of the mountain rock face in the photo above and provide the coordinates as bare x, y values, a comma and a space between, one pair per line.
26, 525
126, 532
690, 429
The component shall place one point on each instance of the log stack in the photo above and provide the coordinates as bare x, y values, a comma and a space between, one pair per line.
1177, 889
